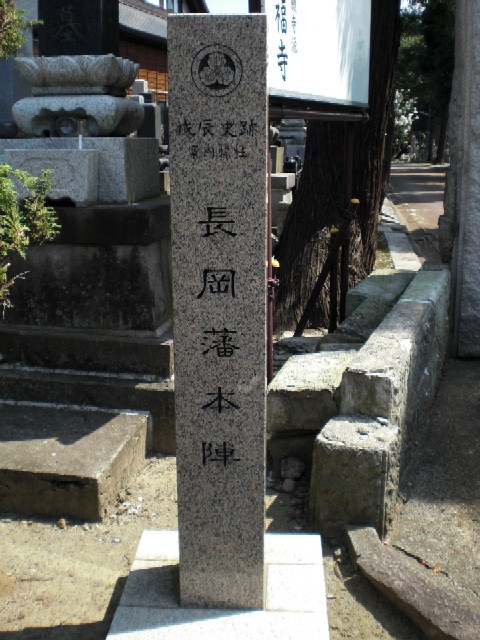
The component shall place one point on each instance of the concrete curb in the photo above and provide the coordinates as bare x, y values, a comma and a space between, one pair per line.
426, 597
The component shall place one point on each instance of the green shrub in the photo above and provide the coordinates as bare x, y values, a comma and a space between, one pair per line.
22, 221
12, 27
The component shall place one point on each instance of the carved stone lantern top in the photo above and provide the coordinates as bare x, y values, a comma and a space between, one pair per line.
75, 95
83, 75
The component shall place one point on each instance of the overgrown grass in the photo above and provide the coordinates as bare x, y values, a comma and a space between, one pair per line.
383, 259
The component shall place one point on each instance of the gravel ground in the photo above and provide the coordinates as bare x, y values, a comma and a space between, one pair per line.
62, 580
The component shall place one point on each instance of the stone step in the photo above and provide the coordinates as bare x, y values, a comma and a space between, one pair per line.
104, 390
295, 595
87, 350
67, 461
304, 395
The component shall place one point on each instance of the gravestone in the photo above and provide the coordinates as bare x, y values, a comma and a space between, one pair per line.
218, 138
71, 28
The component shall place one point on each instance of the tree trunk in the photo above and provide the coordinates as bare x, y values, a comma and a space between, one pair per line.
320, 198
442, 138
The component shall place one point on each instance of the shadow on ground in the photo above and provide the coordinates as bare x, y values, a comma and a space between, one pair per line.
81, 631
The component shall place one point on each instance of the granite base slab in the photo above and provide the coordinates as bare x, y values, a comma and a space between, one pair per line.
295, 597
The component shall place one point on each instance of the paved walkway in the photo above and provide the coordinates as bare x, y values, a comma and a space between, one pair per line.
417, 194
439, 522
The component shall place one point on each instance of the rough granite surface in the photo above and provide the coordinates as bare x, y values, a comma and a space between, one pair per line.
127, 167
353, 474
218, 109
461, 220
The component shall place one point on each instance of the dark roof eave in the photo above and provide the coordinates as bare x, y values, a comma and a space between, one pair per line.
198, 6
141, 36
147, 22
142, 24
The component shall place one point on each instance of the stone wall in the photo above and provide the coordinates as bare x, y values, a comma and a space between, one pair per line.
386, 392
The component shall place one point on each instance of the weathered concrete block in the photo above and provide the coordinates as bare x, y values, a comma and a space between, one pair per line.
365, 319
139, 393
339, 340
376, 383
353, 476
87, 350
397, 370
283, 181
385, 285
302, 344
109, 269
428, 599
303, 395
401, 250
433, 286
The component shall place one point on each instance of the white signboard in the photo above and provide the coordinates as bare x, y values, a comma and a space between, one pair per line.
319, 50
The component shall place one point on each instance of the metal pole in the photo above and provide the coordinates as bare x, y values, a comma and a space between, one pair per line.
344, 269
345, 257
332, 324
270, 280
278, 113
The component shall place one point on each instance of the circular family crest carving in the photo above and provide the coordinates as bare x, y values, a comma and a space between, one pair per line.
216, 70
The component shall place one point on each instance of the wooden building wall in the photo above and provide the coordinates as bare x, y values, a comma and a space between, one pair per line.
152, 59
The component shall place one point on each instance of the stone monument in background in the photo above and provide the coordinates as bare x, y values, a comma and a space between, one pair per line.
99, 297
76, 28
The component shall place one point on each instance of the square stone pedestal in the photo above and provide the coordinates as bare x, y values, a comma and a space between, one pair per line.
75, 171
295, 606
126, 169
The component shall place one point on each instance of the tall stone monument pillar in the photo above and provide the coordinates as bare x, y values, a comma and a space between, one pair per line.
460, 226
218, 124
